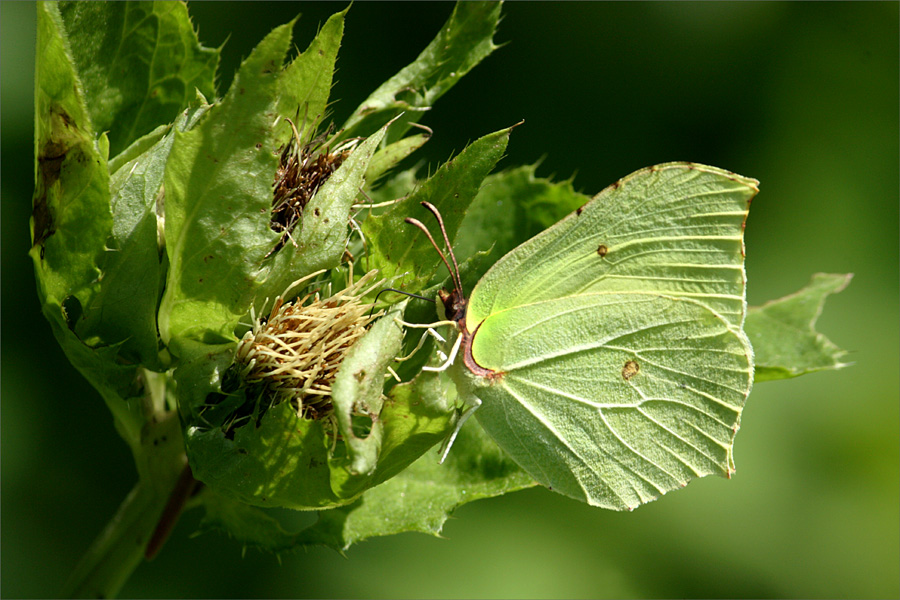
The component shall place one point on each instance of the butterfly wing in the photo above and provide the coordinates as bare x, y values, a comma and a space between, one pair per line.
674, 229
614, 399
617, 337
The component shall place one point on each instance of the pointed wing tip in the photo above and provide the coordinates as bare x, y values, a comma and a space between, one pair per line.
750, 182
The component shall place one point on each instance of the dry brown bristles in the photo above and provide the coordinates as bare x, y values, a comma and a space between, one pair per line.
297, 352
304, 167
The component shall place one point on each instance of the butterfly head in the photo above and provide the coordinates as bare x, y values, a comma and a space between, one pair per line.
454, 304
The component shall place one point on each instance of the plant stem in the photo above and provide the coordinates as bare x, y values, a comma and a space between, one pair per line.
184, 488
120, 547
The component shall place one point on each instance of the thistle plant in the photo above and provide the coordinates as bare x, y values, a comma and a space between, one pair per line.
294, 354
165, 218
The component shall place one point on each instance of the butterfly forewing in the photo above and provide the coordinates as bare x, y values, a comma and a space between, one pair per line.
614, 398
674, 229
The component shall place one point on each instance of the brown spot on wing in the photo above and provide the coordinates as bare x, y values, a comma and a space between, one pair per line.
630, 369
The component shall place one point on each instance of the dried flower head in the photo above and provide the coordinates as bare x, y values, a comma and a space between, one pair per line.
296, 352
305, 166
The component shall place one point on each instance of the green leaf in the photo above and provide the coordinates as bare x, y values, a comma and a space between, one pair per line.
417, 493
125, 308
247, 524
398, 185
120, 385
219, 194
512, 207
139, 64
357, 394
416, 416
306, 83
423, 496
389, 156
463, 42
218, 198
274, 460
280, 462
785, 341
71, 219
399, 250
137, 148
72, 222
279, 459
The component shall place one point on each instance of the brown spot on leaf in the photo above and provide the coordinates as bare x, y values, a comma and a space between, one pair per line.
50, 159
630, 369
578, 210
602, 250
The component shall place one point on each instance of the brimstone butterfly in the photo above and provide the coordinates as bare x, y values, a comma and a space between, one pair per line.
606, 355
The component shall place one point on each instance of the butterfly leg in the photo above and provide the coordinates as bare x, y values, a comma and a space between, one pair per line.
450, 359
448, 443
421, 343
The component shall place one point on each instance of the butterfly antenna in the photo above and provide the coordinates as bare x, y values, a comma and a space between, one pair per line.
410, 294
437, 214
424, 229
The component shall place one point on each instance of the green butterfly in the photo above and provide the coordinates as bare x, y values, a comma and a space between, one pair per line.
606, 355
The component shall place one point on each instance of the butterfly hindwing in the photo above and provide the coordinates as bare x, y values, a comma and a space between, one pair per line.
614, 399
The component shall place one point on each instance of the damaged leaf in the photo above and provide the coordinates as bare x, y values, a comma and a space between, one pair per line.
783, 332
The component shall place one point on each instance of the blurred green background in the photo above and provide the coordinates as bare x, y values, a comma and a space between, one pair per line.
802, 96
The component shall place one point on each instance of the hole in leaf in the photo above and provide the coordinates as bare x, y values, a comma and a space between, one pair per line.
361, 425
72, 311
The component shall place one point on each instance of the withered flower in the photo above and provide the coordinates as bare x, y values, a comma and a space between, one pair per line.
296, 352
305, 166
